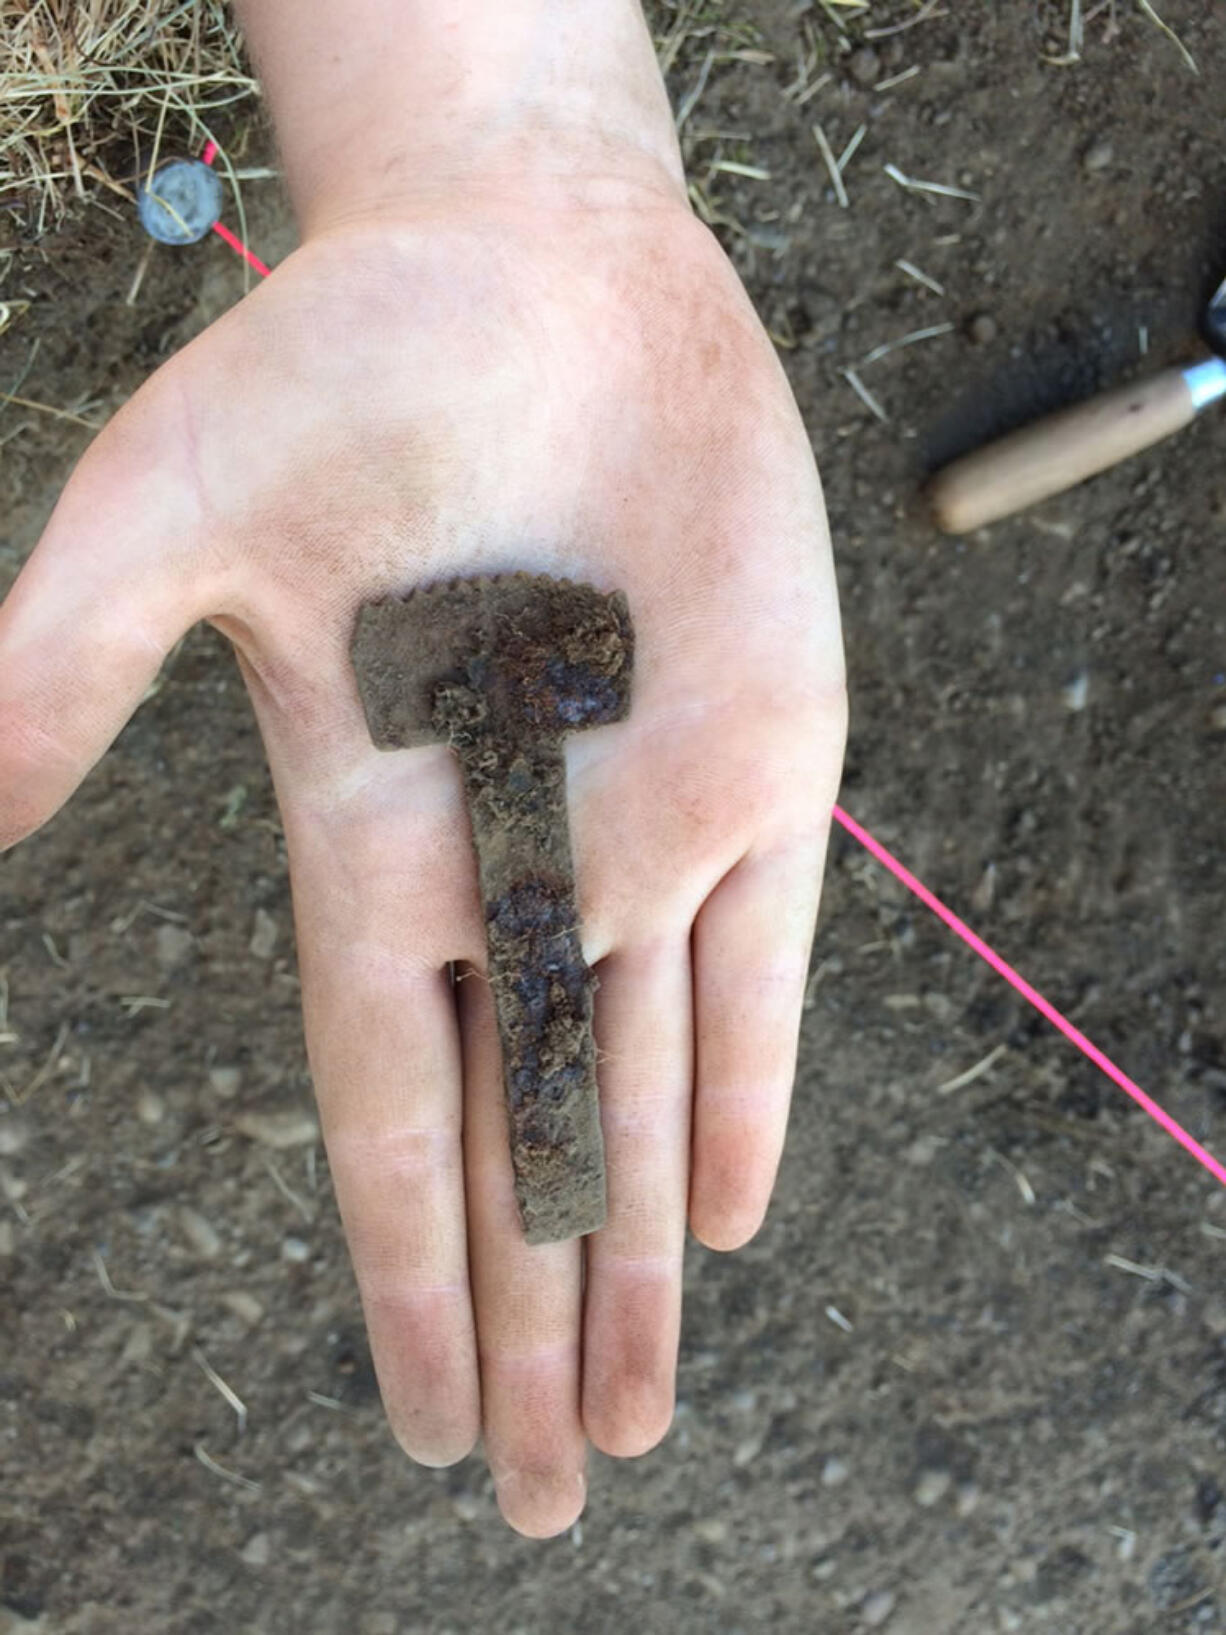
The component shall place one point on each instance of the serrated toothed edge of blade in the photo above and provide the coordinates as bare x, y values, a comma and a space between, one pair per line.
475, 583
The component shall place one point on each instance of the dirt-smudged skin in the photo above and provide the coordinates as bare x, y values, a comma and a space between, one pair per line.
501, 669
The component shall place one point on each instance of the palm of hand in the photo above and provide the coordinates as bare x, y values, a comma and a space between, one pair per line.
588, 396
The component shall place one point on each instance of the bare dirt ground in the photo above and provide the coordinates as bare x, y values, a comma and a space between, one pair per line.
972, 1375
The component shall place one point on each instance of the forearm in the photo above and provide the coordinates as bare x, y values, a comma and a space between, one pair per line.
384, 105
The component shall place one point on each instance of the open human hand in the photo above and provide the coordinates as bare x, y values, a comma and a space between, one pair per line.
560, 380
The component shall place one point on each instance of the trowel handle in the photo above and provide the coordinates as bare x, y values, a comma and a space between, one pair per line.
1054, 454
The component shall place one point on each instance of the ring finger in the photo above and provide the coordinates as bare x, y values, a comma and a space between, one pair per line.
632, 1316
527, 1303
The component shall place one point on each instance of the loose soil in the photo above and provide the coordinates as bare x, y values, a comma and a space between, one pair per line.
972, 1374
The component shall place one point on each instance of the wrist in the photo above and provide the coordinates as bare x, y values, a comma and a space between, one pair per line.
388, 108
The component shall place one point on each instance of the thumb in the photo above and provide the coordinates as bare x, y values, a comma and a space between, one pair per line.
111, 586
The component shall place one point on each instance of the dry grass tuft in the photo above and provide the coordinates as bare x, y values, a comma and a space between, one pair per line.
81, 76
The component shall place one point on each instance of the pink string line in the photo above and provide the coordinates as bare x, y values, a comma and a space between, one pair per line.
239, 248
959, 927
224, 233
1044, 1006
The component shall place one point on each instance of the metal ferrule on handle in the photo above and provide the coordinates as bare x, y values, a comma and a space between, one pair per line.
1206, 382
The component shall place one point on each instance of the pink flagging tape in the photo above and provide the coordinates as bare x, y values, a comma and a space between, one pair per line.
239, 248
207, 156
1044, 1006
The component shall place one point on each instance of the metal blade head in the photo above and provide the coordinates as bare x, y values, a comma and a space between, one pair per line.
555, 654
1215, 318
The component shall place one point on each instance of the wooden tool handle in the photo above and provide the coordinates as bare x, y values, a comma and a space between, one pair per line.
1056, 453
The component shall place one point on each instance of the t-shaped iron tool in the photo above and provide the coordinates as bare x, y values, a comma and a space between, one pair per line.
1056, 453
501, 669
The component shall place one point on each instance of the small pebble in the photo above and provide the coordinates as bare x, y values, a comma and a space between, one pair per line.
824, 1569
295, 1251
289, 1127
172, 944
1075, 692
257, 1551
14, 1187
139, 1346
941, 1008
711, 1530
263, 935
768, 236
922, 1151
301, 1439
1099, 155
968, 1499
748, 1450
835, 1472
1125, 1544
865, 66
932, 1487
14, 1135
877, 1608
467, 1506
983, 329
201, 1234
1217, 718
225, 1081
244, 1306
984, 894
150, 1108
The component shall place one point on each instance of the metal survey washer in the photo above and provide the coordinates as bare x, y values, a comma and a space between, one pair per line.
181, 202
